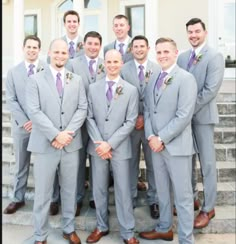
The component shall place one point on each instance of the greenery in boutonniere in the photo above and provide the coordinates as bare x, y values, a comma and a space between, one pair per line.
197, 58
167, 81
69, 76
101, 69
129, 48
40, 68
147, 75
79, 46
119, 91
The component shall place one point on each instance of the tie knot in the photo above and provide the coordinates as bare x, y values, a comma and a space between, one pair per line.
31, 66
163, 75
193, 54
91, 62
110, 83
121, 45
141, 67
59, 75
71, 43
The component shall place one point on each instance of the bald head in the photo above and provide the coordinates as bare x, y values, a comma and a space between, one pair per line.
58, 53
113, 63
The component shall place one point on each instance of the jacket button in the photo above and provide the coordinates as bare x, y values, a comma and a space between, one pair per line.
62, 112
106, 119
60, 127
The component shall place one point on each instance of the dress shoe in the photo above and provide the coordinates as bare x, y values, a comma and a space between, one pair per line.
154, 235
72, 237
78, 208
54, 208
96, 235
92, 204
13, 207
132, 240
174, 211
40, 242
196, 205
141, 186
154, 211
203, 219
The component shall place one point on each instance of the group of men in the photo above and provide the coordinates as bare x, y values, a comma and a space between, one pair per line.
79, 104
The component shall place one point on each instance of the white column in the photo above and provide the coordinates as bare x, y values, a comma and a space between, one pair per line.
18, 30
78, 6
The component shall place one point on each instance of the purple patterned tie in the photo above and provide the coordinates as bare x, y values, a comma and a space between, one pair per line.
71, 49
91, 70
191, 60
109, 93
141, 74
59, 84
161, 79
31, 69
121, 50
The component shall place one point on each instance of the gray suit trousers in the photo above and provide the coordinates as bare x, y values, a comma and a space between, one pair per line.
204, 136
138, 139
123, 202
22, 157
45, 168
176, 170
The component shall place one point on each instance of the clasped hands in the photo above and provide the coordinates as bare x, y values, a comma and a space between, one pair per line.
64, 138
139, 123
103, 150
155, 144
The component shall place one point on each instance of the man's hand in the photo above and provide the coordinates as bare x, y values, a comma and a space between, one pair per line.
64, 137
155, 144
28, 126
139, 123
107, 155
57, 145
103, 149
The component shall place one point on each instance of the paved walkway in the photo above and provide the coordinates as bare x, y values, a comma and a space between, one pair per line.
18, 234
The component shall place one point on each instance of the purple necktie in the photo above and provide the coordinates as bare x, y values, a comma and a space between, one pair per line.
59, 84
161, 79
121, 50
141, 74
109, 93
71, 49
31, 69
191, 60
91, 70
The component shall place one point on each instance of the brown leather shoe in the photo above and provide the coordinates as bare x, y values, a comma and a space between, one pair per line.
54, 208
154, 211
154, 235
141, 186
72, 237
79, 206
40, 242
13, 207
96, 235
132, 240
203, 219
196, 205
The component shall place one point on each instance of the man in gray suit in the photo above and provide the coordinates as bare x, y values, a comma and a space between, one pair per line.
112, 112
138, 72
168, 109
57, 106
207, 66
21, 124
122, 43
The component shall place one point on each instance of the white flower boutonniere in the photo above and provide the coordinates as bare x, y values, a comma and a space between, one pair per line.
101, 69
40, 68
69, 76
198, 58
167, 81
147, 75
119, 91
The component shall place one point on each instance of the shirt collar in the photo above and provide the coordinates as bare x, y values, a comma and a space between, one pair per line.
137, 64
35, 63
115, 80
169, 69
75, 40
54, 72
198, 49
88, 59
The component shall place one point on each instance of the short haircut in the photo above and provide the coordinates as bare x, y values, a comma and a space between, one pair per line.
166, 39
121, 16
32, 37
93, 34
139, 37
194, 21
70, 12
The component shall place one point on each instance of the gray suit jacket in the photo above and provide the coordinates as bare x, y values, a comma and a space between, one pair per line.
126, 57
169, 114
15, 95
115, 123
129, 73
79, 66
50, 114
209, 74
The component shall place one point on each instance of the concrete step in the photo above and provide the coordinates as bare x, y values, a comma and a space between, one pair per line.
223, 222
228, 120
6, 116
226, 108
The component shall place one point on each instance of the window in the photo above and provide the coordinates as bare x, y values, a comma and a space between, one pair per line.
30, 24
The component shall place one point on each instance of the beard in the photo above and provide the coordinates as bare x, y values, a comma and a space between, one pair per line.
59, 65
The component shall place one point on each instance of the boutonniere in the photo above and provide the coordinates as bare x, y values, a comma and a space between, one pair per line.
100, 69
167, 81
198, 58
147, 75
69, 76
129, 48
119, 91
79, 46
40, 68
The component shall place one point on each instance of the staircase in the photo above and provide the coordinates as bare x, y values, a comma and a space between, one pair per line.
224, 221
